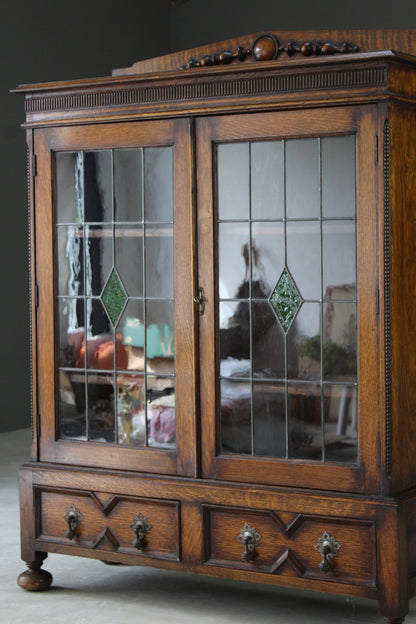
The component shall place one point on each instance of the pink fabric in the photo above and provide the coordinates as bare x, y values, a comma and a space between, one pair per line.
162, 423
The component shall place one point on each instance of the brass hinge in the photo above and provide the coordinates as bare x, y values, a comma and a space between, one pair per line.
200, 300
34, 165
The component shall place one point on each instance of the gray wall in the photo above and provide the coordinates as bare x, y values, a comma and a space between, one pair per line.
57, 40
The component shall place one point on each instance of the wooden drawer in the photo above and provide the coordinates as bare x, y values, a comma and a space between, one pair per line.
106, 524
287, 544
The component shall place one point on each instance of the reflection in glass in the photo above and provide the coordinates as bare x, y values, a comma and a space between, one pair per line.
286, 219
98, 188
160, 336
69, 176
339, 257
234, 262
233, 181
161, 411
128, 185
71, 332
70, 242
131, 329
302, 179
268, 345
268, 253
158, 184
129, 257
338, 176
340, 340
341, 423
235, 338
101, 419
269, 408
267, 180
131, 409
72, 418
98, 258
159, 261
100, 338
304, 344
115, 315
235, 416
304, 418
304, 257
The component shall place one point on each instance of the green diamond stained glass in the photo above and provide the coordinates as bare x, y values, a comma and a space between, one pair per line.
285, 299
114, 297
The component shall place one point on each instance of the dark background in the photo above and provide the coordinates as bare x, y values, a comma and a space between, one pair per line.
56, 40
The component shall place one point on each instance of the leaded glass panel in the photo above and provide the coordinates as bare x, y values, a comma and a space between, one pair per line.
286, 219
115, 270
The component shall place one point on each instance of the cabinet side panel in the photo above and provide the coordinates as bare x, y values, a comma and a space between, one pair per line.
403, 295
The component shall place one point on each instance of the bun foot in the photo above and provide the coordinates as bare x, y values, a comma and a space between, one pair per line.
34, 578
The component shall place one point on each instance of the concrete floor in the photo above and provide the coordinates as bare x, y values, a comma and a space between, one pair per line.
88, 592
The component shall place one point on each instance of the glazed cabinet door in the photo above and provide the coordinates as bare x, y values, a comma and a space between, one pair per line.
288, 240
115, 321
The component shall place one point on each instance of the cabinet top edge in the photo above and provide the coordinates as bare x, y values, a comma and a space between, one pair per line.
217, 72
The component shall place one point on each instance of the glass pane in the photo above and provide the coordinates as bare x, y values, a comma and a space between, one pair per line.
100, 338
129, 258
268, 342
98, 187
131, 409
338, 176
304, 343
304, 257
128, 184
267, 180
302, 179
98, 258
339, 258
341, 424
161, 412
160, 337
70, 241
131, 330
235, 416
304, 419
233, 181
340, 341
234, 262
101, 420
72, 417
268, 256
158, 184
71, 332
235, 339
159, 261
69, 182
269, 411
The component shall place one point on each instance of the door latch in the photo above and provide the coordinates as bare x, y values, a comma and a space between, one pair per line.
200, 300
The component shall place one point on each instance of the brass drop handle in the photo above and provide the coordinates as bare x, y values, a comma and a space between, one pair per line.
73, 517
141, 527
328, 547
250, 538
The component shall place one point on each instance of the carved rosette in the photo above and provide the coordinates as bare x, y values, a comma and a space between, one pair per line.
268, 48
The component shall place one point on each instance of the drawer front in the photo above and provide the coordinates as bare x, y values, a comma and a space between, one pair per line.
291, 544
110, 523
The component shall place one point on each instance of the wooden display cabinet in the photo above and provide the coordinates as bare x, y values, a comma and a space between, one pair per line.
223, 313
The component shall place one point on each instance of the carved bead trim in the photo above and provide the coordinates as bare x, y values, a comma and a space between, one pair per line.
203, 90
387, 304
268, 48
